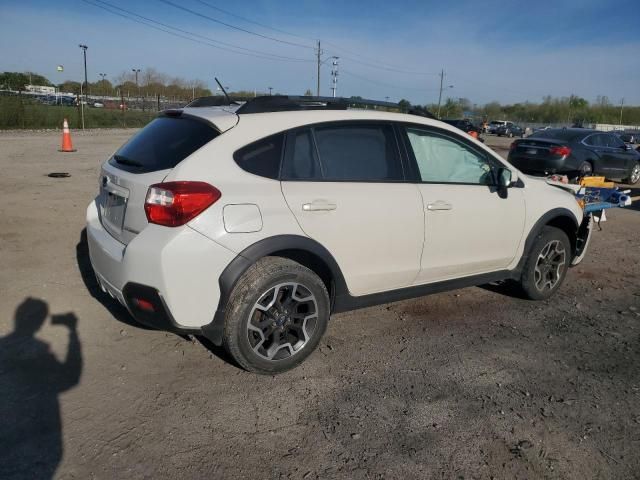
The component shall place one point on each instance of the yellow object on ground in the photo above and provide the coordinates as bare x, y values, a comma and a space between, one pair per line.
596, 182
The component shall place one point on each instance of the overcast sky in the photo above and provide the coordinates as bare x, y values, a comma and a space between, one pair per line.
490, 50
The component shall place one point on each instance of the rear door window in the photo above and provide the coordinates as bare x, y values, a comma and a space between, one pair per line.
359, 152
301, 159
162, 144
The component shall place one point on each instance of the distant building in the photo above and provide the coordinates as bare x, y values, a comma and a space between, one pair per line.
40, 89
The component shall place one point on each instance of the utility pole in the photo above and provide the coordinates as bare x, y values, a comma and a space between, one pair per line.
318, 53
334, 76
86, 84
442, 75
270, 90
621, 105
440, 95
137, 71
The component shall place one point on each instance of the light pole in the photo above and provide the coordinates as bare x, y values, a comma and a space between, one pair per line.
270, 90
441, 88
137, 71
86, 85
102, 76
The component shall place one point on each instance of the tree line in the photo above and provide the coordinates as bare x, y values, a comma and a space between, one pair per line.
151, 83
552, 110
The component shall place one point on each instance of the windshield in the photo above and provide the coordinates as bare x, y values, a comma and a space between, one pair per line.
162, 144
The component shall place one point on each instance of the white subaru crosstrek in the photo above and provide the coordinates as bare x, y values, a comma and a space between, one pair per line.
251, 227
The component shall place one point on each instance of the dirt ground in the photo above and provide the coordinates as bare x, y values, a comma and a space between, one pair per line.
467, 384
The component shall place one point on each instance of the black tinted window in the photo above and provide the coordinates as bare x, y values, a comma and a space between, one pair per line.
613, 141
162, 144
262, 157
301, 161
358, 153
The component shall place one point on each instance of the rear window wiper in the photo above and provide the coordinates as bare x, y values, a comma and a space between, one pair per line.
127, 161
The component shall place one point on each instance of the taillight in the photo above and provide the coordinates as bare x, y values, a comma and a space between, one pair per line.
513, 146
175, 203
562, 151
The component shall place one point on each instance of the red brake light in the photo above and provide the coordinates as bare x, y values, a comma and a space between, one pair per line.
175, 203
562, 151
513, 146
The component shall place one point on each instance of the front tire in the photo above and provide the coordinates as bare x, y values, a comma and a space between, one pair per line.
585, 169
634, 175
547, 264
277, 314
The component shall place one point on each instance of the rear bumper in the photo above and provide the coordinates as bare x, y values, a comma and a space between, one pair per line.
179, 264
537, 165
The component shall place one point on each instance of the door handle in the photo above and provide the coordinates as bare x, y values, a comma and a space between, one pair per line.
318, 206
439, 205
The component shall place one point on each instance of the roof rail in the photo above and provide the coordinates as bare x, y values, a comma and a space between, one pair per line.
285, 103
210, 101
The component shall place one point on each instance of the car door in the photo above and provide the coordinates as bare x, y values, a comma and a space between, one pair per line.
597, 143
619, 157
344, 183
470, 228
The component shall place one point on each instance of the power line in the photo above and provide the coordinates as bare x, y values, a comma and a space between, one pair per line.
377, 64
371, 63
202, 15
152, 24
226, 12
351, 74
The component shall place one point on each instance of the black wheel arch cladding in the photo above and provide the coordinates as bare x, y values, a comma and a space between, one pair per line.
304, 250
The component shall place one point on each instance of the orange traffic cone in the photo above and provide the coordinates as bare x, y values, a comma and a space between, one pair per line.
67, 146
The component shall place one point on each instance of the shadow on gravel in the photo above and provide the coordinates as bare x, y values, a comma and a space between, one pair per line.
89, 279
31, 378
508, 288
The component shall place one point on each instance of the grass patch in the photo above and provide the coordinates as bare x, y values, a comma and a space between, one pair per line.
19, 113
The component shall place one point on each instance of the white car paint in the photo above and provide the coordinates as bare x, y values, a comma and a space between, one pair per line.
382, 235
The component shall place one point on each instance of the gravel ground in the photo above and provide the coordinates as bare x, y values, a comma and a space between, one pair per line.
467, 384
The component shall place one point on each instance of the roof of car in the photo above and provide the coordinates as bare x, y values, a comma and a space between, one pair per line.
564, 133
225, 119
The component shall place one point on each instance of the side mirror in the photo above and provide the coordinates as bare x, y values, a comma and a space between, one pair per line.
506, 178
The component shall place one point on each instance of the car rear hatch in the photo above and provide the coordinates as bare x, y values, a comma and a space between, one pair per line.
146, 159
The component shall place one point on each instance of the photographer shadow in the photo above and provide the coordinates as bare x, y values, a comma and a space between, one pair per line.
31, 379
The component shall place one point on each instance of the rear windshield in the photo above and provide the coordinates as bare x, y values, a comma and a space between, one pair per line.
162, 144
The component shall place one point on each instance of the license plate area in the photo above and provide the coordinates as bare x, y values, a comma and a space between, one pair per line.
113, 207
532, 151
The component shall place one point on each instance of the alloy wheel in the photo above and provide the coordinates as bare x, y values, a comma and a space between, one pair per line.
549, 265
635, 173
282, 321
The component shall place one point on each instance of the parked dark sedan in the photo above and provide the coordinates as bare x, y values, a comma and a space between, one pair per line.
510, 130
465, 125
576, 152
